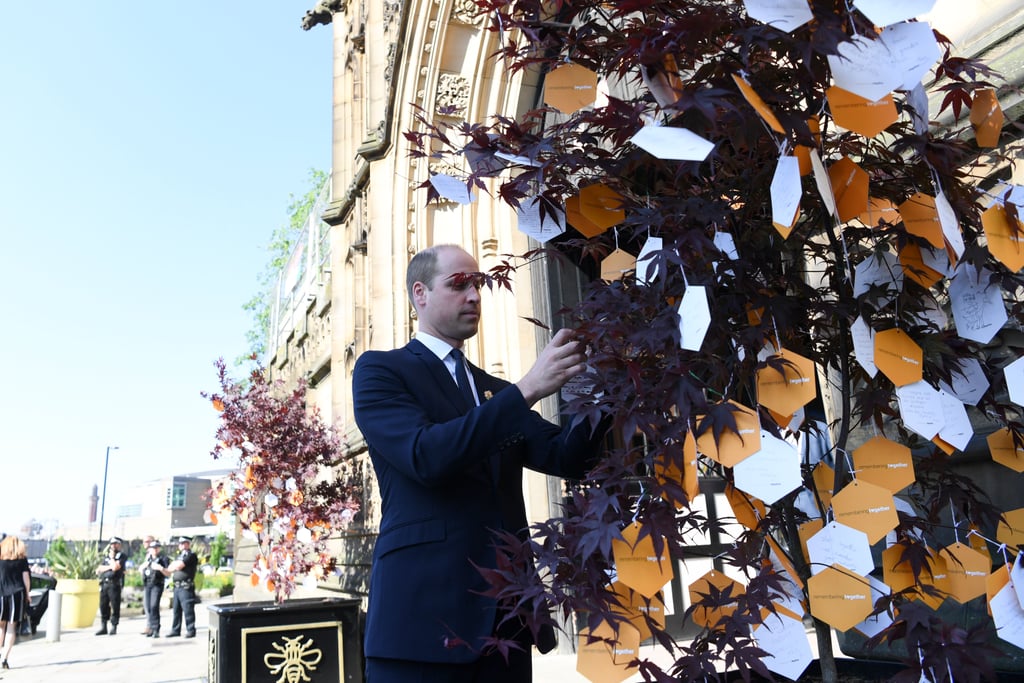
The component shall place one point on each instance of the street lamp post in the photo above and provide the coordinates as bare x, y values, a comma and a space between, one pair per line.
103, 503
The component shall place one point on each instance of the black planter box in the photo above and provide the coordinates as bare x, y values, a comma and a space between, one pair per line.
315, 639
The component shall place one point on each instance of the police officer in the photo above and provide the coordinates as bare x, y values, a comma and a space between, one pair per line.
111, 575
153, 578
183, 572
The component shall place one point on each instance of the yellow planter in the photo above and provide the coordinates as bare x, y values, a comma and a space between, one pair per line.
80, 602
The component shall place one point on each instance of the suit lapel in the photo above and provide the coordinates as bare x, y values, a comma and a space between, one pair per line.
437, 371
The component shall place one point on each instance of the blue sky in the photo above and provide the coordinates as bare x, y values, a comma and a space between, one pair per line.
147, 153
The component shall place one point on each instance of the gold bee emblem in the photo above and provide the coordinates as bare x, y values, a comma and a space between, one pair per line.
293, 659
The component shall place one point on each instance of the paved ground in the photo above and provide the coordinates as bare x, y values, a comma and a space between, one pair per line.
81, 657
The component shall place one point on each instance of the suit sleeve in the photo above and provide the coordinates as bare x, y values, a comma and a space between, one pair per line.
397, 420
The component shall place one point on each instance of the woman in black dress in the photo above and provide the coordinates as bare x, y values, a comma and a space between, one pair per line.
15, 584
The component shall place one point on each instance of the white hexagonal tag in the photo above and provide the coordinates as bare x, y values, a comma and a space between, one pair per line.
956, 427
978, 309
920, 408
694, 317
772, 472
785, 15
864, 345
540, 228
837, 543
1014, 373
969, 381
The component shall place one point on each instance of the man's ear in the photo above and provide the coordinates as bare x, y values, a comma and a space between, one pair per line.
419, 294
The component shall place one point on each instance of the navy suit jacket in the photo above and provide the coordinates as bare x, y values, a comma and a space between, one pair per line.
448, 476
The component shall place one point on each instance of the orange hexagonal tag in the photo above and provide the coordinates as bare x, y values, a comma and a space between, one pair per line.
922, 219
601, 205
986, 117
884, 463
915, 268
666, 470
861, 115
881, 213
839, 598
603, 662
637, 564
1004, 451
790, 390
759, 105
1011, 531
570, 87
1005, 237
967, 570
898, 357
713, 597
867, 507
733, 446
748, 510
640, 611
824, 480
617, 264
581, 223
850, 187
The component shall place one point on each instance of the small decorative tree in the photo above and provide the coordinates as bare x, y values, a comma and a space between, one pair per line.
776, 227
291, 490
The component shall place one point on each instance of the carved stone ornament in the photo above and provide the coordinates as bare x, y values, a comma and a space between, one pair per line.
453, 91
466, 12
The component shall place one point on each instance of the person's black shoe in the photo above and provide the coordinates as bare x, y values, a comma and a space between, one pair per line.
113, 630
102, 631
5, 665
172, 635
191, 634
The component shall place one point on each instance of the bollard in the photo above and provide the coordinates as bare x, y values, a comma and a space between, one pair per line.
53, 617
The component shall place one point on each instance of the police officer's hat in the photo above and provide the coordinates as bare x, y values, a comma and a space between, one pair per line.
154, 544
115, 539
185, 539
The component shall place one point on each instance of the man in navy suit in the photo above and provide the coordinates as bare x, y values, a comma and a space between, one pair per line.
449, 467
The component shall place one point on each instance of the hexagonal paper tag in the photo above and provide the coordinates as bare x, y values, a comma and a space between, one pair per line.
785, 15
882, 269
647, 269
986, 117
570, 87
969, 382
694, 318
748, 510
839, 598
838, 544
532, 223
732, 445
669, 142
1011, 530
860, 115
884, 463
787, 391
850, 188
956, 427
898, 357
785, 640
864, 345
1007, 614
772, 472
603, 662
1005, 237
885, 12
967, 570
866, 507
639, 609
666, 470
920, 408
1014, 373
617, 264
1004, 451
713, 597
601, 205
921, 218
978, 309
637, 564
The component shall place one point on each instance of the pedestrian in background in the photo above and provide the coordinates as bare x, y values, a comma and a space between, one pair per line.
111, 576
153, 579
15, 584
183, 573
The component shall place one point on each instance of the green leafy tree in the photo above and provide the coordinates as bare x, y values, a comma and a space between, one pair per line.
279, 248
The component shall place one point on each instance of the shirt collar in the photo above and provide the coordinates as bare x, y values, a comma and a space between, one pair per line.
438, 347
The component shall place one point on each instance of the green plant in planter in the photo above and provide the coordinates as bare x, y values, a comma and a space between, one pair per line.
73, 560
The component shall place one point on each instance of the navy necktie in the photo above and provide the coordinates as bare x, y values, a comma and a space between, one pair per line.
462, 379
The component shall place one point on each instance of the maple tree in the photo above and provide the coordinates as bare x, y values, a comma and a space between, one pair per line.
291, 490
730, 291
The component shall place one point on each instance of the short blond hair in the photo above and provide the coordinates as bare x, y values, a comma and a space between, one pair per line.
12, 548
